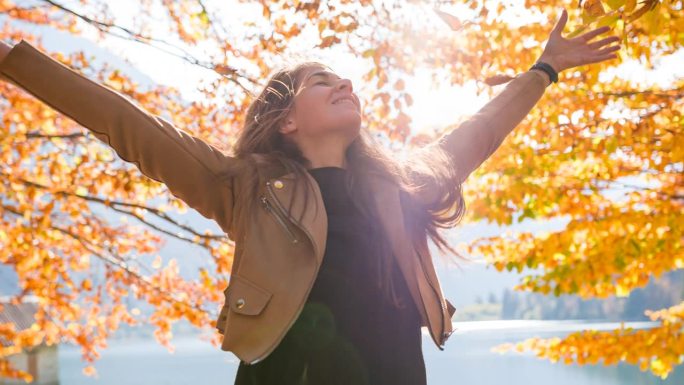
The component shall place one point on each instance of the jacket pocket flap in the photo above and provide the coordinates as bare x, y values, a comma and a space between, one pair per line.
244, 297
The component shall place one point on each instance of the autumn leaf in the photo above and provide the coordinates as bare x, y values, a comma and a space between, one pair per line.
593, 8
452, 21
328, 41
615, 4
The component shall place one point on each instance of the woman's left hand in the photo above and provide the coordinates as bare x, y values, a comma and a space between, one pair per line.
562, 53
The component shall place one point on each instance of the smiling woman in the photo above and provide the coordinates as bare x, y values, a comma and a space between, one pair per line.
362, 313
359, 323
332, 277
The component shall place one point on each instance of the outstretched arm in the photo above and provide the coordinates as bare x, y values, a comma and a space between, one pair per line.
188, 166
476, 139
473, 141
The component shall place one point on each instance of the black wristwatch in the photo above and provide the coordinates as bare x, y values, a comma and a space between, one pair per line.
546, 68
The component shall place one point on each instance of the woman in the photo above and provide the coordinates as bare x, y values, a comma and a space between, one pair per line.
332, 278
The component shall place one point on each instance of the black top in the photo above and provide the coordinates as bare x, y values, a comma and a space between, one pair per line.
348, 331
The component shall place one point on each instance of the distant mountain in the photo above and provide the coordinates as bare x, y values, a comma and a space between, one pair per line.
666, 291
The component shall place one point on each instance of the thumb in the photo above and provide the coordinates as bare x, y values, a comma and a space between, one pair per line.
558, 28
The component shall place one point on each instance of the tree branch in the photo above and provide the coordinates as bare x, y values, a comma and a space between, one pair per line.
105, 27
118, 262
156, 212
33, 135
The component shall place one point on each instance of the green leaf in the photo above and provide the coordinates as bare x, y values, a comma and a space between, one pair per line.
510, 266
529, 213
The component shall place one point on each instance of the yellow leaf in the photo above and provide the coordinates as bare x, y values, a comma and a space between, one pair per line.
658, 366
615, 4
639, 12
576, 32
621, 291
607, 20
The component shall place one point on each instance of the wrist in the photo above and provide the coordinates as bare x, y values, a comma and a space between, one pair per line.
550, 61
544, 74
551, 74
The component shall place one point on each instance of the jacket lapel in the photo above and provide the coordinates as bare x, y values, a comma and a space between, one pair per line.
313, 221
391, 217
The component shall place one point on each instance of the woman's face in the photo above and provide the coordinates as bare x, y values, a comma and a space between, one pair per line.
324, 106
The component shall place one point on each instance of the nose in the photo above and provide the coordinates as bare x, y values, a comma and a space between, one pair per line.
345, 83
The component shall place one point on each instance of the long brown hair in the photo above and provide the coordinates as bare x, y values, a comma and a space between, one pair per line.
260, 139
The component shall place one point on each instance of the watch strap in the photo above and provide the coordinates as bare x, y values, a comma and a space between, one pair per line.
553, 75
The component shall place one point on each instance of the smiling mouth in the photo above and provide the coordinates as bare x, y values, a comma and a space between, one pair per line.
345, 101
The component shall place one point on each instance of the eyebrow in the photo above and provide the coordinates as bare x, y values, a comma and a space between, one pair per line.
322, 73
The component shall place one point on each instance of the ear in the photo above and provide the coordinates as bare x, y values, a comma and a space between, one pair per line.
288, 126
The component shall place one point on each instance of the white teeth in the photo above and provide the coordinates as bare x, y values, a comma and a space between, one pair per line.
343, 100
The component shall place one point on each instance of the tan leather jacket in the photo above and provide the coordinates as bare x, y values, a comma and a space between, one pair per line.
277, 256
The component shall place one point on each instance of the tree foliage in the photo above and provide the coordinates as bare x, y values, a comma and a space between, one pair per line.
558, 163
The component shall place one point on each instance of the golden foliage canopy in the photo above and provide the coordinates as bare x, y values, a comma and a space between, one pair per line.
559, 162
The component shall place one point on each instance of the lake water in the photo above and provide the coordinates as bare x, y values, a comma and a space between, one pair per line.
466, 360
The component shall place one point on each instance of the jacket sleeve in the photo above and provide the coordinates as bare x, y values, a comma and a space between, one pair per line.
474, 140
188, 166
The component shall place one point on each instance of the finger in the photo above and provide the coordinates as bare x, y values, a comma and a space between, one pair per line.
602, 42
597, 59
589, 35
606, 50
561, 23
